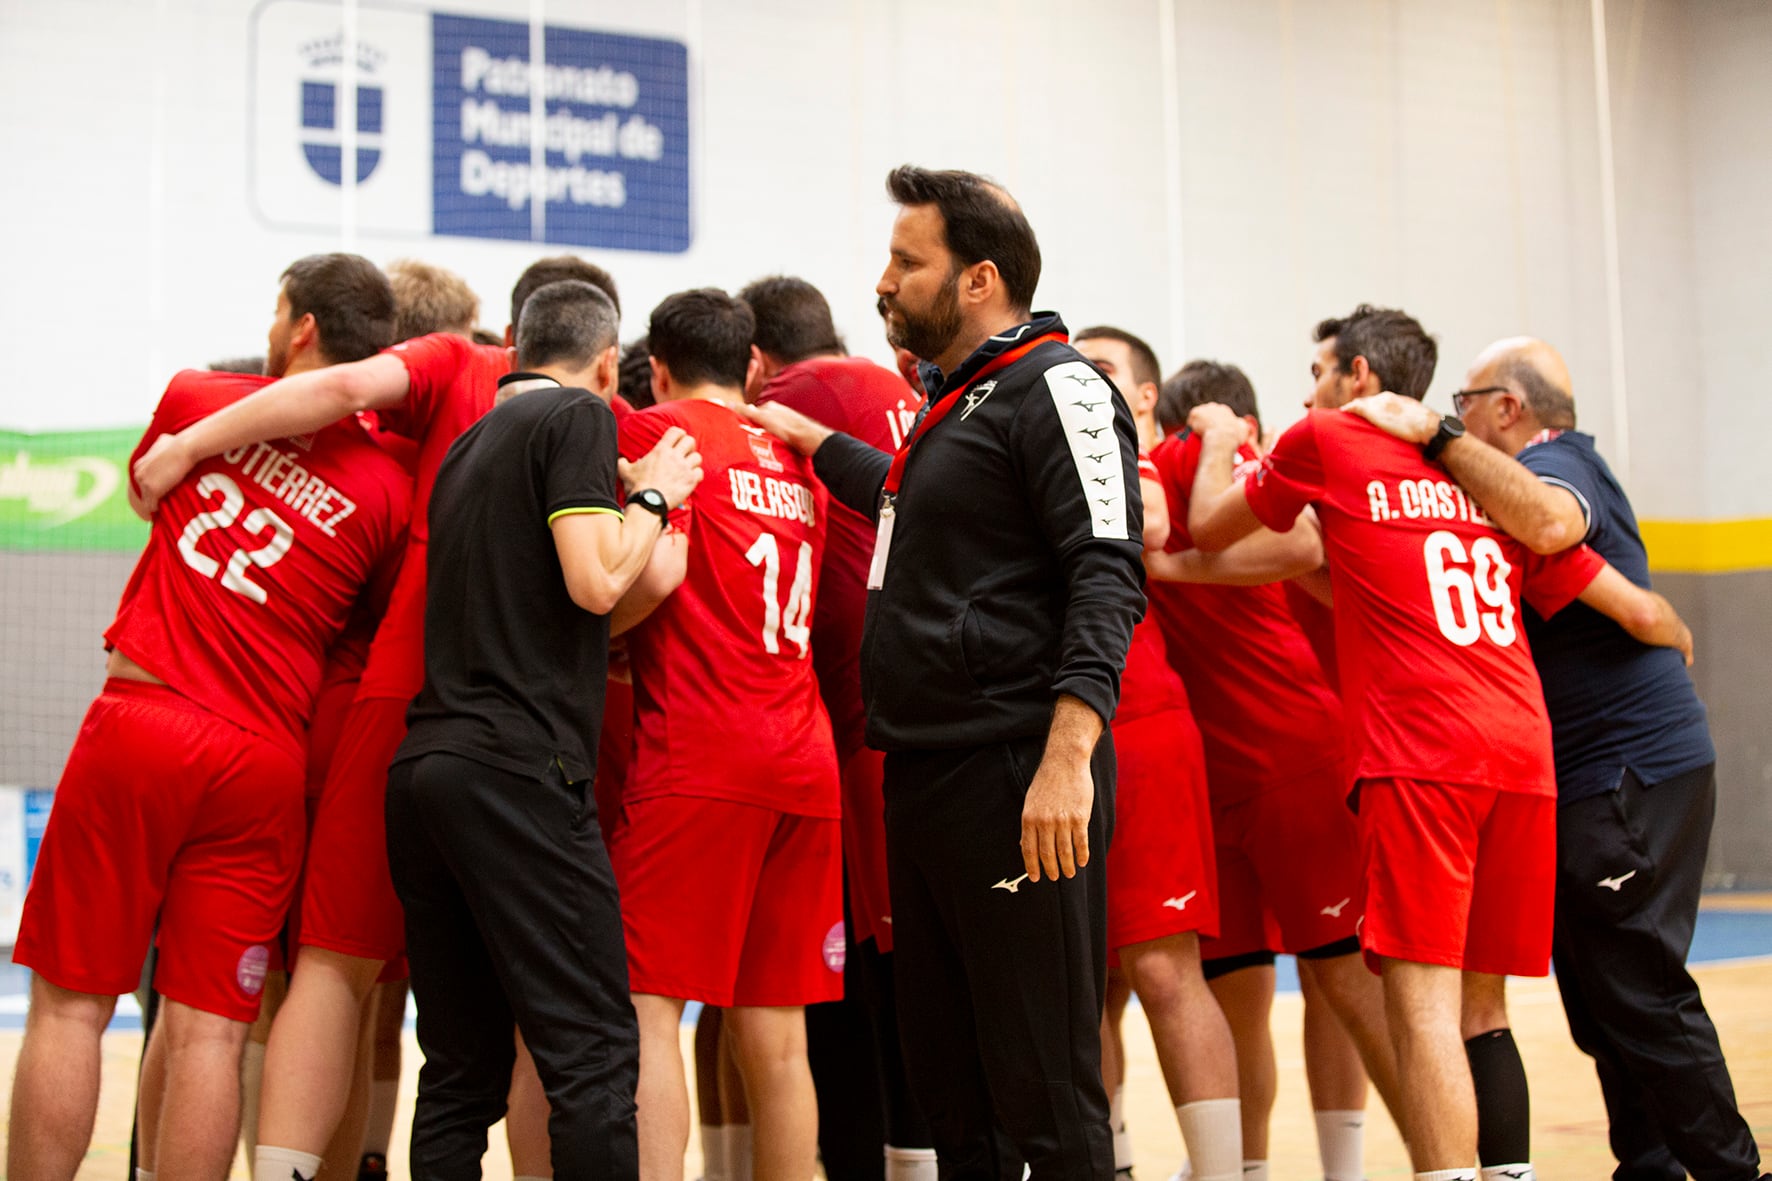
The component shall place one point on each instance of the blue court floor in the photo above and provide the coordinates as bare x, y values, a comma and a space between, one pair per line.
1723, 936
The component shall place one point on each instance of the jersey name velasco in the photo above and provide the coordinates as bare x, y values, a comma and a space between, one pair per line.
1267, 715
255, 560
726, 702
1437, 679
451, 383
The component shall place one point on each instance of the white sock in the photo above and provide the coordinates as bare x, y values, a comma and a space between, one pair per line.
910, 1164
713, 1152
1519, 1172
1448, 1175
283, 1164
738, 1152
143, 1175
1185, 1173
1255, 1170
1341, 1143
1212, 1129
384, 1097
1122, 1138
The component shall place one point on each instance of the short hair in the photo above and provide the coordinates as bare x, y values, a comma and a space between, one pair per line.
543, 271
565, 323
1199, 382
1396, 347
238, 365
486, 336
979, 220
635, 375
793, 319
1552, 405
1144, 358
430, 299
703, 336
350, 300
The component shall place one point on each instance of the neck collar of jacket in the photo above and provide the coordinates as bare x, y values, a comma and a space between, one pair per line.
512, 384
1039, 325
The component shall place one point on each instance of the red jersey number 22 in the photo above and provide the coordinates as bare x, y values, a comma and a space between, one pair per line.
257, 521
792, 618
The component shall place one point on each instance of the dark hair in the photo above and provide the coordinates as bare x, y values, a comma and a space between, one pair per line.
635, 382
543, 271
486, 336
1551, 404
430, 299
1199, 382
238, 365
1397, 348
1144, 358
350, 300
793, 319
703, 336
979, 221
565, 323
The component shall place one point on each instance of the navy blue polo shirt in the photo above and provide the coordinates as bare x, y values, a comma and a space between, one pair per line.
1614, 703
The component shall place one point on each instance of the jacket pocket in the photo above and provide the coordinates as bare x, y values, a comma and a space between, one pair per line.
1603, 865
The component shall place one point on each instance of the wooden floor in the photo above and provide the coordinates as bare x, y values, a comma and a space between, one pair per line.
1568, 1121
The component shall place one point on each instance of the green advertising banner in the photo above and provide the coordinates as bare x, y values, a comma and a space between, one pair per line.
68, 490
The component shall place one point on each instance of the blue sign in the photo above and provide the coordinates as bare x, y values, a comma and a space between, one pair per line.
615, 112
36, 817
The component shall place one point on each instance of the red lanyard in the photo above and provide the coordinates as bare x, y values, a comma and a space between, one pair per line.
895, 474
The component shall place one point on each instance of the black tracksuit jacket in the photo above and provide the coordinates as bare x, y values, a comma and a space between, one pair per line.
1014, 573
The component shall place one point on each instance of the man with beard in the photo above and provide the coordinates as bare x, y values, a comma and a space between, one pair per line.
1004, 585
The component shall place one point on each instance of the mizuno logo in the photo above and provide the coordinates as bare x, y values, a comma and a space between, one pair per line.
1335, 911
1089, 406
1094, 432
1616, 884
1011, 886
975, 397
1080, 379
1102, 480
1516, 1173
1099, 458
1104, 500
1180, 903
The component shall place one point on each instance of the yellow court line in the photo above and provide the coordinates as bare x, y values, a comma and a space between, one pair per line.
1708, 547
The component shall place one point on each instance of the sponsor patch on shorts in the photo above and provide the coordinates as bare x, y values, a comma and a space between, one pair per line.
836, 949
250, 971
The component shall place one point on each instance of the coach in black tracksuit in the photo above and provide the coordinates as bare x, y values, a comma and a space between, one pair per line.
1006, 582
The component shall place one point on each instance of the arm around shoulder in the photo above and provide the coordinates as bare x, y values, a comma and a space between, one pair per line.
1649, 618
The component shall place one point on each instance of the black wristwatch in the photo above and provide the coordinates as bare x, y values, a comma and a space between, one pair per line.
1450, 428
653, 501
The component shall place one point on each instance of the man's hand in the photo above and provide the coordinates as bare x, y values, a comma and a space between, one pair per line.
673, 466
1055, 814
803, 434
1208, 417
160, 468
1396, 415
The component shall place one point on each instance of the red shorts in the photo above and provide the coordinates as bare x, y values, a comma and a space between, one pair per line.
864, 847
1161, 873
1457, 875
164, 808
1288, 868
348, 904
730, 904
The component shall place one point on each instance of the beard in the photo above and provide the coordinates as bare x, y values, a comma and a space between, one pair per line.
276, 359
928, 332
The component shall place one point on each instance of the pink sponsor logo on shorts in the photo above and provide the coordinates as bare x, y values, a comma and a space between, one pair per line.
836, 949
250, 972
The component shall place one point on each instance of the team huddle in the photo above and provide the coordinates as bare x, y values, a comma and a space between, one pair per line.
908, 720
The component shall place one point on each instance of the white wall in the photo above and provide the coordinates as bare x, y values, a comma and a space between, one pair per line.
1440, 155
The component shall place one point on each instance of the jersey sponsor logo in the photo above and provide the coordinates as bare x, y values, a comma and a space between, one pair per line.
1616, 884
1423, 500
1334, 912
1180, 903
1011, 885
763, 449
309, 495
835, 948
249, 973
1085, 408
898, 422
975, 397
785, 500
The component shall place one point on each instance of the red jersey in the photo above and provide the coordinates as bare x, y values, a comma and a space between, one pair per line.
859, 398
1437, 678
1266, 714
1149, 684
726, 703
255, 560
451, 383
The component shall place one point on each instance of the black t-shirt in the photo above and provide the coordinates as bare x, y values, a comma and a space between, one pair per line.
514, 669
1613, 702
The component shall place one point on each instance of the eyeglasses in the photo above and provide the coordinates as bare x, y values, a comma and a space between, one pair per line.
1462, 399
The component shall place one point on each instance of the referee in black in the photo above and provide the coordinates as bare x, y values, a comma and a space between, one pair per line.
511, 909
